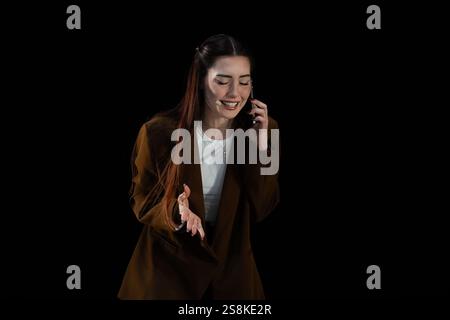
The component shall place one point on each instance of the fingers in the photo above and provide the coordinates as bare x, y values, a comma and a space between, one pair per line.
260, 113
259, 104
183, 201
194, 228
182, 198
194, 225
198, 228
191, 222
201, 231
187, 190
181, 206
184, 213
257, 111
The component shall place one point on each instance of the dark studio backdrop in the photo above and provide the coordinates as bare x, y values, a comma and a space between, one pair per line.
359, 120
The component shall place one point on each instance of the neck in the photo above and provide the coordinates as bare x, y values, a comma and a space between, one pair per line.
217, 124
220, 123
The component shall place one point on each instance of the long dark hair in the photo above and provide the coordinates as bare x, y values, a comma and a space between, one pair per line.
191, 106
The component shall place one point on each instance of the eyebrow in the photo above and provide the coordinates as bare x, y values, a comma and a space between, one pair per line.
228, 76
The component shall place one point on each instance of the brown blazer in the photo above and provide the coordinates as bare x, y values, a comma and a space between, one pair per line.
174, 265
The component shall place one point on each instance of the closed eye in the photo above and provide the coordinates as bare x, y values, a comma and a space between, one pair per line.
222, 83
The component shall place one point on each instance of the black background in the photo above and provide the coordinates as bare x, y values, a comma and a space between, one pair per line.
360, 118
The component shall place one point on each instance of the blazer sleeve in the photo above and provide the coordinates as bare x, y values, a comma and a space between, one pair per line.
144, 162
262, 190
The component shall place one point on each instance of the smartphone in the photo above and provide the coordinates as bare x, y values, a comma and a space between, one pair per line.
253, 106
249, 119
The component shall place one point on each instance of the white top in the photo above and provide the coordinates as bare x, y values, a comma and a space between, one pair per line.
213, 166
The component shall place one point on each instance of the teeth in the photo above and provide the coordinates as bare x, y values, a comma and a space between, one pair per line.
230, 104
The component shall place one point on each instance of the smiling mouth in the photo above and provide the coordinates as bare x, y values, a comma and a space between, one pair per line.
229, 104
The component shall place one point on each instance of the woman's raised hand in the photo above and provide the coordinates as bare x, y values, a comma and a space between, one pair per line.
194, 223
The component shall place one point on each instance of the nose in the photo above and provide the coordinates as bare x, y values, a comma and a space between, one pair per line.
233, 92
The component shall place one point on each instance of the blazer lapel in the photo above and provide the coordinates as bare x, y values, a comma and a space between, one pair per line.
192, 176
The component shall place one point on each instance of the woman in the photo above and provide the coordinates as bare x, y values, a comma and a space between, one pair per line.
195, 243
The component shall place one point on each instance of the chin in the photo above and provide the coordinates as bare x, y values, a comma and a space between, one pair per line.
229, 114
